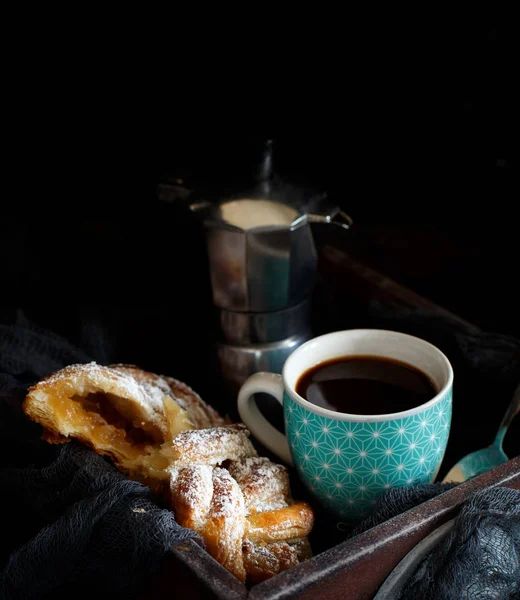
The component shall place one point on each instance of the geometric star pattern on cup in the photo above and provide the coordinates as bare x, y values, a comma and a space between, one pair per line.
350, 463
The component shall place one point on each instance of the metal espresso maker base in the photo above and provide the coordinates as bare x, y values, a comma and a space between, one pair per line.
253, 342
237, 363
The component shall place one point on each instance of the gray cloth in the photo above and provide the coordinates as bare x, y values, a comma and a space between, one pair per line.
71, 523
478, 560
398, 500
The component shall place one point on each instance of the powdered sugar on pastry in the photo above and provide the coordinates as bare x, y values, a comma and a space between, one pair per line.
192, 492
259, 561
210, 446
99, 406
81, 376
121, 411
262, 561
201, 414
265, 485
160, 432
224, 529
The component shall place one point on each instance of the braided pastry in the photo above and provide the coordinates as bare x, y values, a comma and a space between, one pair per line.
159, 431
273, 528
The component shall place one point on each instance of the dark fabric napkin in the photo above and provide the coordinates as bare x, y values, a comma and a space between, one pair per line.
72, 523
480, 557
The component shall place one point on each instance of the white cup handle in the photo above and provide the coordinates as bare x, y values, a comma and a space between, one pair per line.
267, 434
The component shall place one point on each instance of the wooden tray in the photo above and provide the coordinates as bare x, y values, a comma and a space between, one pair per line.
355, 568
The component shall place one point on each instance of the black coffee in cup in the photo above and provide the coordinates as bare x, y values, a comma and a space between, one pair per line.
365, 385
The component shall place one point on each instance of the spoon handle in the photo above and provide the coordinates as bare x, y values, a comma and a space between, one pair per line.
512, 410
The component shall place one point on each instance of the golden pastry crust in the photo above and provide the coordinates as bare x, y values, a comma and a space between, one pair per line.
160, 432
260, 563
103, 408
263, 561
192, 493
294, 521
52, 398
210, 446
223, 531
273, 539
201, 415
120, 411
265, 485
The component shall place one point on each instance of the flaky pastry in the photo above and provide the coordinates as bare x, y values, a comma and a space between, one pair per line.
294, 521
192, 493
262, 561
210, 446
120, 411
264, 484
159, 431
223, 531
272, 527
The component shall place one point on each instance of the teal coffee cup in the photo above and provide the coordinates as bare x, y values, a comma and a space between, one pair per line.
348, 460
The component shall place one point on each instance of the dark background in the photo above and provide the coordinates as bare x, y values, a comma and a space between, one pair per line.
410, 124
411, 130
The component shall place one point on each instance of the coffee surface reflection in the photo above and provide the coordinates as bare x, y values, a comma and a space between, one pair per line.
365, 385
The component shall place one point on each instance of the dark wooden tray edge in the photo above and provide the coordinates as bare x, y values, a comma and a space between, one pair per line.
208, 571
343, 572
